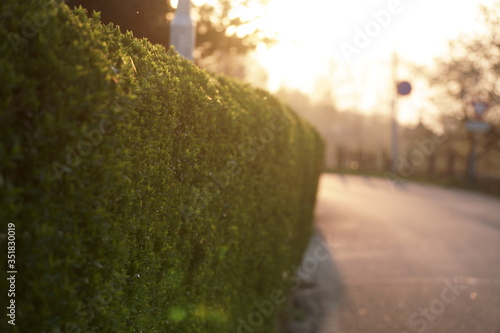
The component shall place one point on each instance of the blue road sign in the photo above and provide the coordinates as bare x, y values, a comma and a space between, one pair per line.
404, 88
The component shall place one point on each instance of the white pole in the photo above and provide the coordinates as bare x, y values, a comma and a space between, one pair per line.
182, 30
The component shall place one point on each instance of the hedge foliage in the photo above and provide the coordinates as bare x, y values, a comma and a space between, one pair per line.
147, 195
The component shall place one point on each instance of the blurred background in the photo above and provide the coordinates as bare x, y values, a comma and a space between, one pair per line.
337, 64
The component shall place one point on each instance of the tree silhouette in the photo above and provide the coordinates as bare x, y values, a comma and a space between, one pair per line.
470, 73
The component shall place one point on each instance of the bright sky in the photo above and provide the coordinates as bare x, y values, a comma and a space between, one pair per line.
350, 44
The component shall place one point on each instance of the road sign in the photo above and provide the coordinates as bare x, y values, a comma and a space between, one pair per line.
404, 88
477, 126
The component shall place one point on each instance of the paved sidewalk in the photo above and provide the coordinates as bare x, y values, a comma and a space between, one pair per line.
403, 259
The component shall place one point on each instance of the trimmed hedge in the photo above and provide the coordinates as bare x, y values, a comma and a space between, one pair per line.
147, 195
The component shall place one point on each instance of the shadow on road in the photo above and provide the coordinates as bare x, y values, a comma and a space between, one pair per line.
319, 292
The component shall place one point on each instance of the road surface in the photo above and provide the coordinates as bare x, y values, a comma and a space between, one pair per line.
407, 258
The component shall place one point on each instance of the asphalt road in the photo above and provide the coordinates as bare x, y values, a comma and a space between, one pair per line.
408, 258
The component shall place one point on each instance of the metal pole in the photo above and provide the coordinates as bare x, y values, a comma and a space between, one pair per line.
182, 30
394, 138
394, 115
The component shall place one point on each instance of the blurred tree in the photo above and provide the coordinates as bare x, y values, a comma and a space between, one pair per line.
470, 73
229, 26
226, 32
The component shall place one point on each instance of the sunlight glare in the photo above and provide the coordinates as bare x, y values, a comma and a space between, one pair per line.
310, 35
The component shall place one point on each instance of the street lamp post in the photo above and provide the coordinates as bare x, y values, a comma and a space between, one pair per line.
182, 30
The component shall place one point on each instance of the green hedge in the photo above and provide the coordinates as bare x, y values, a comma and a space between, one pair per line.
147, 195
